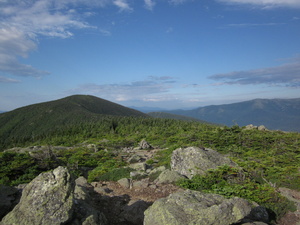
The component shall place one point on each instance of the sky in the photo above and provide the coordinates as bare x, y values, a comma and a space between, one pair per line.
171, 54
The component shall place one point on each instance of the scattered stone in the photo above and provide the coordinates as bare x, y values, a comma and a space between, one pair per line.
139, 184
262, 128
193, 160
252, 127
157, 169
139, 166
134, 159
145, 145
125, 182
168, 176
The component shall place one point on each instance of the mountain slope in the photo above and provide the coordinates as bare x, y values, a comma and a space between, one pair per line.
275, 114
43, 117
165, 115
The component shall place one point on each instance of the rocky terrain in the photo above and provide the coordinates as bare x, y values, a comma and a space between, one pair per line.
55, 197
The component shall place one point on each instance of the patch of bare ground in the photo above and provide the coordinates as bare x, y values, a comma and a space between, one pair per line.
118, 203
291, 218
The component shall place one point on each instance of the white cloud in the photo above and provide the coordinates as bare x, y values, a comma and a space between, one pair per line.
149, 4
177, 2
123, 5
150, 88
267, 3
287, 75
8, 80
23, 22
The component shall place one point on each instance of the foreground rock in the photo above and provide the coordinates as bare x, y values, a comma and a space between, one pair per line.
192, 207
49, 199
193, 160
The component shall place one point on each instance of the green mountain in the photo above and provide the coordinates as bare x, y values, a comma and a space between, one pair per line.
275, 114
43, 118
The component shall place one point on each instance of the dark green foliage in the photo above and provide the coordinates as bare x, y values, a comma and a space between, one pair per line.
229, 182
115, 174
17, 168
107, 167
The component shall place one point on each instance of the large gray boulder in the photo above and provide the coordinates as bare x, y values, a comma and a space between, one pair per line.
193, 207
193, 160
53, 198
48, 199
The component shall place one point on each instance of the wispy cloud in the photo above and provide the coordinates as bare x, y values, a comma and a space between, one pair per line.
149, 4
123, 5
266, 3
177, 2
287, 75
8, 80
137, 90
23, 22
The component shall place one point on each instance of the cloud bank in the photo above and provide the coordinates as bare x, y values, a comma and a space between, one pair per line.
23, 22
287, 75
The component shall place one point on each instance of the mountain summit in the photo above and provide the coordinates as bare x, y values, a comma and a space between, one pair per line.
45, 117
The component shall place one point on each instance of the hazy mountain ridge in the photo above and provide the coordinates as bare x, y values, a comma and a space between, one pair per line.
275, 114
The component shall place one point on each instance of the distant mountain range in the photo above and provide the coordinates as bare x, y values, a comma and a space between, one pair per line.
275, 114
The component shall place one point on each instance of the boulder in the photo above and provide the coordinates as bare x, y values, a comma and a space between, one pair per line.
193, 207
47, 199
84, 212
262, 127
134, 211
53, 198
168, 176
144, 145
140, 166
193, 160
125, 182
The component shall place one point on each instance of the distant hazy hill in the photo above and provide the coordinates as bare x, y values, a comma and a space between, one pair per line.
275, 114
43, 117
165, 115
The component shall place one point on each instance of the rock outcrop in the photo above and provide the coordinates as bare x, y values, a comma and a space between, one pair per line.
50, 199
168, 176
193, 160
193, 207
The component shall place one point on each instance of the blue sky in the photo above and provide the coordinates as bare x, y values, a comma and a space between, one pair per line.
157, 53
